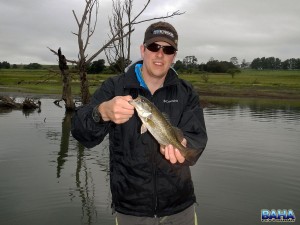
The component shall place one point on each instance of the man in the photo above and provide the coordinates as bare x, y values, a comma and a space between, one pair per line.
150, 184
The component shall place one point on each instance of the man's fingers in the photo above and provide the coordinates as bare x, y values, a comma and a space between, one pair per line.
119, 110
167, 155
127, 98
162, 149
125, 103
172, 154
178, 156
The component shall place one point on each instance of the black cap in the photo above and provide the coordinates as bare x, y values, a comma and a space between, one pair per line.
161, 31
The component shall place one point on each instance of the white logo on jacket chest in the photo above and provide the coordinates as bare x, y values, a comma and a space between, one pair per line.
171, 101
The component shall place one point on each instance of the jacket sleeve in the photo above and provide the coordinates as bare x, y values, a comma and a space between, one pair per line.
84, 129
192, 124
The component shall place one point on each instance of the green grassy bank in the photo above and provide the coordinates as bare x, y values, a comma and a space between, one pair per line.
248, 83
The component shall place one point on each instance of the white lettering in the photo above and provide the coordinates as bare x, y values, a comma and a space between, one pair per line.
165, 32
170, 101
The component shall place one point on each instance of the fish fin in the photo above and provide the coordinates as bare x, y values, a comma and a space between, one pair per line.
179, 134
146, 114
191, 155
166, 116
143, 129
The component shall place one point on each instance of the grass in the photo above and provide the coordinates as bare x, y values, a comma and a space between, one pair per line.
41, 81
248, 83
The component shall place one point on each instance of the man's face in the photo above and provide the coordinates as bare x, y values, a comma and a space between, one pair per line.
156, 64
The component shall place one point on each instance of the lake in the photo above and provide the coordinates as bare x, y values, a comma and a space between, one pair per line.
251, 163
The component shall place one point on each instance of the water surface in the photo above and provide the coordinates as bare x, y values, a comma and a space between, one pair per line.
251, 163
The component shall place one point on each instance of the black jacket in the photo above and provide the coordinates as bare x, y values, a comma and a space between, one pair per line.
143, 182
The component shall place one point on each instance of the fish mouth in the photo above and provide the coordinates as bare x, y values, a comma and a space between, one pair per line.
132, 102
135, 101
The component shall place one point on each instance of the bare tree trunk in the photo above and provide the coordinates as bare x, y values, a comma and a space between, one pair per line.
66, 78
84, 84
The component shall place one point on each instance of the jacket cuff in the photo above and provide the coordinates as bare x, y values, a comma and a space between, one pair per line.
96, 115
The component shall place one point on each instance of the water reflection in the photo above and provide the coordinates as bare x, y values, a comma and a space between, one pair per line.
258, 109
26, 112
85, 185
86, 188
27, 106
64, 143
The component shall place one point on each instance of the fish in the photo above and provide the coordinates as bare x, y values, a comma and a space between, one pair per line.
158, 124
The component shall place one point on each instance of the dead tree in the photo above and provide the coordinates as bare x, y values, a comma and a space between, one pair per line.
67, 96
86, 27
66, 77
118, 54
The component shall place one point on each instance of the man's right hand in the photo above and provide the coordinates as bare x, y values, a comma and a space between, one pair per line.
117, 110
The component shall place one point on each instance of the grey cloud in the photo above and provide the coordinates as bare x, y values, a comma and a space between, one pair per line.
209, 28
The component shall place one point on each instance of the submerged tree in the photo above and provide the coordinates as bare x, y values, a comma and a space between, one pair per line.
120, 29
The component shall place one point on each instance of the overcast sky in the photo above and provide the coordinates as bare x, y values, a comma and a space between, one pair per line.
221, 29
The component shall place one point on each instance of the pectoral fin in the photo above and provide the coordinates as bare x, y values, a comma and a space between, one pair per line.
143, 129
146, 114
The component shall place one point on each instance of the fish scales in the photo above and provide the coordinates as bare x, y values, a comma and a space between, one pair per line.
157, 124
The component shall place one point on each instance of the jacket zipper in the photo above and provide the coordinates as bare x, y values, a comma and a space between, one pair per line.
154, 174
155, 181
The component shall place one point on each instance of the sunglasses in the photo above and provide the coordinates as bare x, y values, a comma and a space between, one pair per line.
168, 50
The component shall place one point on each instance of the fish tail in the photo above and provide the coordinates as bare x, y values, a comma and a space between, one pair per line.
191, 155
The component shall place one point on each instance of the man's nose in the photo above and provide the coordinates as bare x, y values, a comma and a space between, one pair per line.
160, 52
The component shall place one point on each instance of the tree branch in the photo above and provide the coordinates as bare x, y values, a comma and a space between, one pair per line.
176, 13
56, 53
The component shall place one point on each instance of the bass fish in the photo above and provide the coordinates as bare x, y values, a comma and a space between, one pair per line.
159, 126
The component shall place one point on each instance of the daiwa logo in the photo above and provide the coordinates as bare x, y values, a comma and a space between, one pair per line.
170, 101
278, 215
163, 32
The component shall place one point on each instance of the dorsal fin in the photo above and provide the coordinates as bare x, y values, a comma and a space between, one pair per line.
179, 134
166, 116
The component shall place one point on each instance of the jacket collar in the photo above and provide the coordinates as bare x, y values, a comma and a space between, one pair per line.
132, 82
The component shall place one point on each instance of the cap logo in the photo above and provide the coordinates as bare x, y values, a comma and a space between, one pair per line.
163, 32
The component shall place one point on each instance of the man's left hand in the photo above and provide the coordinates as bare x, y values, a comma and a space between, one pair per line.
173, 154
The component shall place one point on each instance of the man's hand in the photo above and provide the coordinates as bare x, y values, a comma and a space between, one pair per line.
117, 110
173, 154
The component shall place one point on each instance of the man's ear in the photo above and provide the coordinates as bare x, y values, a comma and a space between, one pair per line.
175, 54
142, 50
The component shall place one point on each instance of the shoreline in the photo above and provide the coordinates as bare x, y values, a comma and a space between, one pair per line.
249, 95
207, 99
273, 96
30, 95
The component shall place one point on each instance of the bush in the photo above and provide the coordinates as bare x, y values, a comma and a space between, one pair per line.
233, 72
96, 67
219, 67
33, 66
4, 65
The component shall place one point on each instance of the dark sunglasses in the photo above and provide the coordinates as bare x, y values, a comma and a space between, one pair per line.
168, 50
